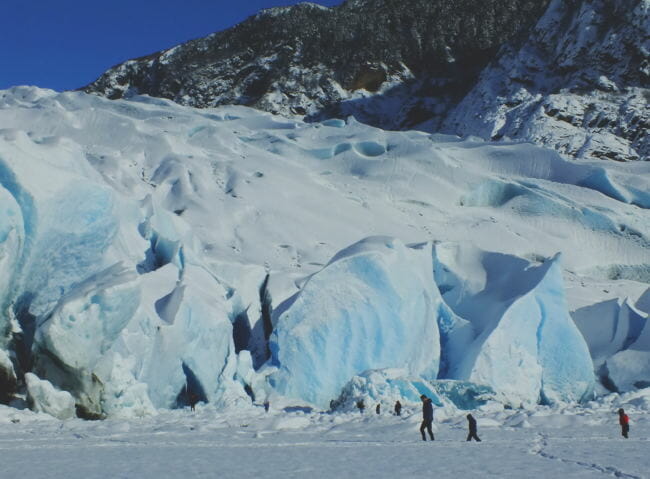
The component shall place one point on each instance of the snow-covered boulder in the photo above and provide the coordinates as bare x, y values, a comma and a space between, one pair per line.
373, 306
43, 397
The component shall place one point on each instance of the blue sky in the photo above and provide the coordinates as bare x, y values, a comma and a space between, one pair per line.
67, 44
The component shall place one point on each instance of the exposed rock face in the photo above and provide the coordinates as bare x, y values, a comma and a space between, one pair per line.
571, 75
310, 60
578, 84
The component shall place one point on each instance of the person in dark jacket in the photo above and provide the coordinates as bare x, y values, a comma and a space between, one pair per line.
427, 417
194, 399
398, 408
378, 409
624, 421
472, 429
361, 405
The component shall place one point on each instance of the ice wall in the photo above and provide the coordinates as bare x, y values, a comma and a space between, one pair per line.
103, 296
503, 323
618, 337
134, 234
373, 306
526, 346
609, 327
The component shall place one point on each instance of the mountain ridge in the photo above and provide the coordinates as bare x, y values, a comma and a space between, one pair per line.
465, 68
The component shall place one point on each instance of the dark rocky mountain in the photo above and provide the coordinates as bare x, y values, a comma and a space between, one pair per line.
579, 83
499, 69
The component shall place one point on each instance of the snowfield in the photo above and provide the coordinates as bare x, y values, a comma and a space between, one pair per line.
569, 442
153, 255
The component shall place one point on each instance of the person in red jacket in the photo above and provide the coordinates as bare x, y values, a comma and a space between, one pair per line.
624, 421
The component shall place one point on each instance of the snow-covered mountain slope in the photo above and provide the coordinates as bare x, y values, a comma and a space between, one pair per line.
579, 84
151, 252
569, 75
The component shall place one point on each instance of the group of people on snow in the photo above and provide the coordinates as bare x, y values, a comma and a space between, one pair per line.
427, 420
427, 417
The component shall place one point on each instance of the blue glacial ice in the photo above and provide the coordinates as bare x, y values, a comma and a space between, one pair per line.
373, 306
526, 346
113, 285
111, 302
503, 323
629, 368
386, 386
609, 327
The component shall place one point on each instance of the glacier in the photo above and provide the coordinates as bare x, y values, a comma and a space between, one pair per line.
386, 386
377, 305
372, 307
151, 252
523, 342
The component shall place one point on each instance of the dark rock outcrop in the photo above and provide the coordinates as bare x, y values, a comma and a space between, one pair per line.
310, 60
572, 75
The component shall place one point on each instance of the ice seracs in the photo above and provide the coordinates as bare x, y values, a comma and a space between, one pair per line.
378, 305
373, 306
618, 337
523, 342
150, 253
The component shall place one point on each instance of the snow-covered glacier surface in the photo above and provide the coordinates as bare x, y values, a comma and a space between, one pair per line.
152, 255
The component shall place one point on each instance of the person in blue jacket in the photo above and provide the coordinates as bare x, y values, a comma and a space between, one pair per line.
427, 417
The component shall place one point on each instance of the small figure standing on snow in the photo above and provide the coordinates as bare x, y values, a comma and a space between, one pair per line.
266, 406
427, 417
361, 405
624, 421
378, 409
472, 429
398, 408
194, 398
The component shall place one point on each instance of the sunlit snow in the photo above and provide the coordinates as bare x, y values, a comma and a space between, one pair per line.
152, 253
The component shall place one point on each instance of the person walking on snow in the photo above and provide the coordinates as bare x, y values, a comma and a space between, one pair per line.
398, 408
427, 417
472, 429
624, 421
